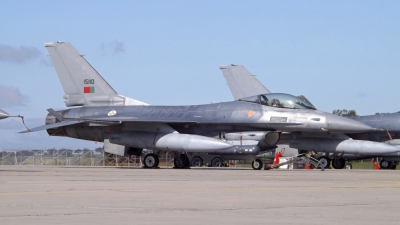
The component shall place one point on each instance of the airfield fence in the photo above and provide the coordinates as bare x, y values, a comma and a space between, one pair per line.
66, 157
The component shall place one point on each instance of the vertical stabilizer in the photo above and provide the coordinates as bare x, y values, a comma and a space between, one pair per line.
82, 84
241, 82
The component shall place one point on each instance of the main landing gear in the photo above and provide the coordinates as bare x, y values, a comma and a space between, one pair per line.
337, 162
151, 161
181, 161
387, 165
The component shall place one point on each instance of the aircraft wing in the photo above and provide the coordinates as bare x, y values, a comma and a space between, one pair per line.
53, 125
126, 119
241, 82
123, 119
101, 120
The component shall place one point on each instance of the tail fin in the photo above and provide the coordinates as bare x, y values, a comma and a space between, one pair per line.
82, 84
241, 82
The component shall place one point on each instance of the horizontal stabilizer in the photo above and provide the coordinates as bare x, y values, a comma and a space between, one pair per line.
55, 114
50, 126
241, 82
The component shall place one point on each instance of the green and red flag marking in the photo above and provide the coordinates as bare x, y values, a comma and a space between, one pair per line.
87, 90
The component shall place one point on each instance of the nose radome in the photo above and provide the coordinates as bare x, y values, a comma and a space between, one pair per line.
341, 124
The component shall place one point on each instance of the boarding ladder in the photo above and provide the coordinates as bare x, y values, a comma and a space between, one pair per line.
307, 159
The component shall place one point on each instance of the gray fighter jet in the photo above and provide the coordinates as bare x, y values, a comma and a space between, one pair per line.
3, 115
128, 126
390, 134
348, 146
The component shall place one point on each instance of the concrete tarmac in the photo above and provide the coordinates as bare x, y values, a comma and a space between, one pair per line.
88, 195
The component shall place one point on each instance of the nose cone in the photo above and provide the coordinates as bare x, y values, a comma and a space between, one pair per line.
341, 124
3, 114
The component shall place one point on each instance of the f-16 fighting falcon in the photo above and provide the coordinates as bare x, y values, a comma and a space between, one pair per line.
346, 146
128, 126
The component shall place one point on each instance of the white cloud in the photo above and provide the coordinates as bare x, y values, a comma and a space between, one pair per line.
11, 96
118, 47
18, 55
45, 62
115, 47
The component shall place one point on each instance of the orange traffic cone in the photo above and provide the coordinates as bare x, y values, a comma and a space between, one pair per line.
376, 165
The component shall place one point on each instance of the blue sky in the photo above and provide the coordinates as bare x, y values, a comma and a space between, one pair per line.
340, 54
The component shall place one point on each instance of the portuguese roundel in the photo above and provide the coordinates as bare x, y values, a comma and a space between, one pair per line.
87, 90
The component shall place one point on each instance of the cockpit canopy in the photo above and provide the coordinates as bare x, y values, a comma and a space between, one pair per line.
281, 100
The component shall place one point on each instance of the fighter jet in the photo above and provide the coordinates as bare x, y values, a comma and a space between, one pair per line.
390, 134
345, 146
3, 115
127, 126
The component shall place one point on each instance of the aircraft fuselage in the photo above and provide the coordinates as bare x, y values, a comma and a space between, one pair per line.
207, 120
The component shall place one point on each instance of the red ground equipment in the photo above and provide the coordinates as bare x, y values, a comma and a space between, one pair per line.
277, 156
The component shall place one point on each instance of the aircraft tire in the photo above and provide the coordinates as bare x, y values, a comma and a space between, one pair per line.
151, 161
217, 162
349, 166
181, 161
385, 165
257, 164
339, 163
197, 162
324, 160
